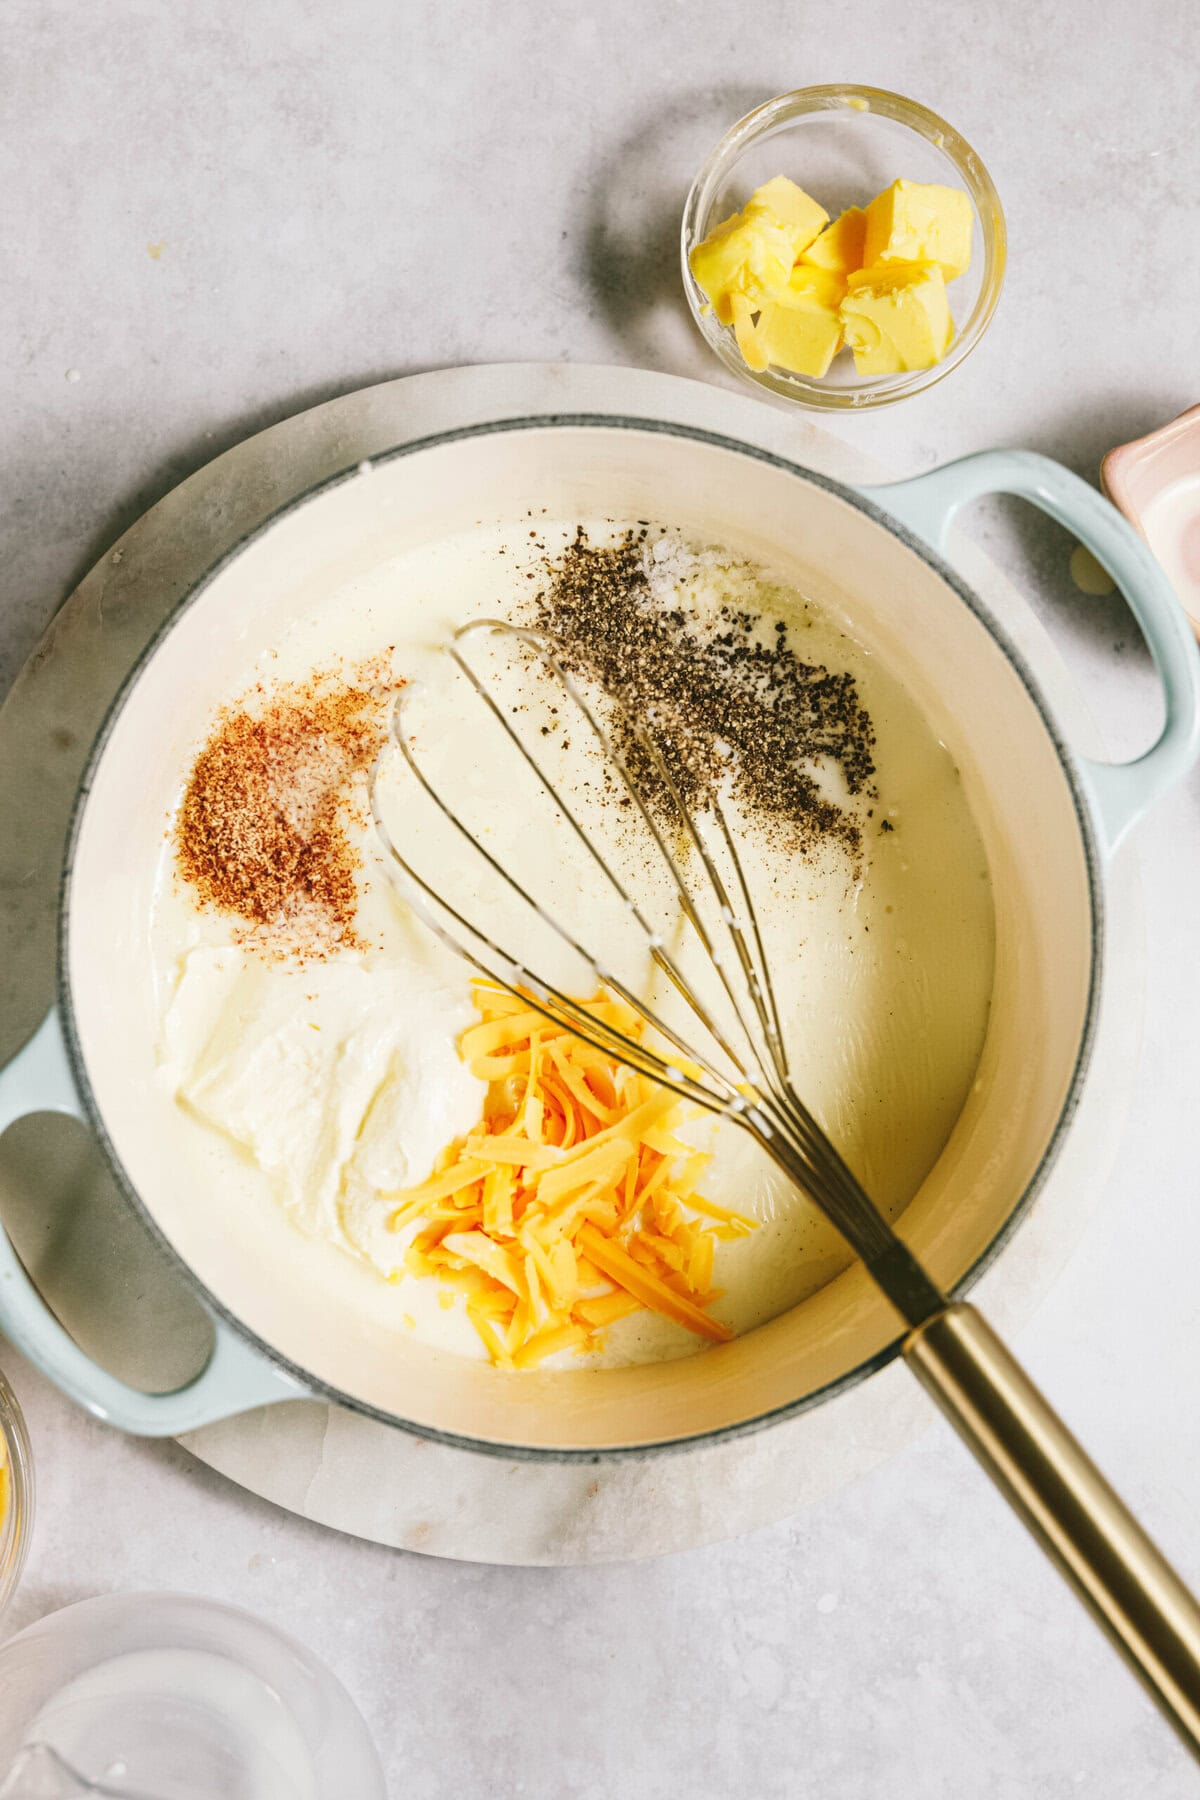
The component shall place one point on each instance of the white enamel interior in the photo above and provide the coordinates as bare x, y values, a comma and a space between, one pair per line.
316, 1310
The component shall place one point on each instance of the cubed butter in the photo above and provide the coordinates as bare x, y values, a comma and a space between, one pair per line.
840, 246
920, 222
804, 342
811, 290
801, 329
789, 207
752, 252
795, 287
744, 255
896, 317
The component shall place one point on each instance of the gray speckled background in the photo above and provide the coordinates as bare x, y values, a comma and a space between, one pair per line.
218, 215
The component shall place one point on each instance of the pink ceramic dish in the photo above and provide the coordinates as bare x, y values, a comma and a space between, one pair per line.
1155, 481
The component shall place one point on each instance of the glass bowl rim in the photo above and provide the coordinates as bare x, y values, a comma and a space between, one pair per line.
829, 97
16, 1524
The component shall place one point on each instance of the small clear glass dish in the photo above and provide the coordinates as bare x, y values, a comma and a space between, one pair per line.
16, 1494
843, 145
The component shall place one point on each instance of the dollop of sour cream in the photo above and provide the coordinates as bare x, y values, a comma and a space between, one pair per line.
339, 1079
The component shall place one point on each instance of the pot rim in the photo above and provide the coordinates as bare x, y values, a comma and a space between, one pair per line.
1093, 860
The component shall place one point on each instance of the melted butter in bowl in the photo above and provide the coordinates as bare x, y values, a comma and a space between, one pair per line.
326, 1082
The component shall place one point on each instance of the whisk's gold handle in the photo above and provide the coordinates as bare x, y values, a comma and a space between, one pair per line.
1131, 1589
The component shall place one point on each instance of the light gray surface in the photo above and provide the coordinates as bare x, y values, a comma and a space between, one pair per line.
343, 195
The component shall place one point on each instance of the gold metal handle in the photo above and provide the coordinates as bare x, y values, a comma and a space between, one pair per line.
1130, 1588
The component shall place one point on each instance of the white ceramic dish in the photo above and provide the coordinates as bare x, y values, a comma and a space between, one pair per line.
1048, 822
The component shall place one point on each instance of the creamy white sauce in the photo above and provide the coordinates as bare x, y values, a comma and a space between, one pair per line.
331, 1085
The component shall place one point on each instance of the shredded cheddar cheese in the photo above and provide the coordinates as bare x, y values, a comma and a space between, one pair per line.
572, 1203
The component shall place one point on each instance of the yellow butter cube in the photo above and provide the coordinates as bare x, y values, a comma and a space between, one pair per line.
896, 317
920, 222
789, 207
752, 252
745, 256
840, 246
804, 342
810, 289
801, 329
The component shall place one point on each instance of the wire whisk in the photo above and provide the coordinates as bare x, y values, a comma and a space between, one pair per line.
750, 1083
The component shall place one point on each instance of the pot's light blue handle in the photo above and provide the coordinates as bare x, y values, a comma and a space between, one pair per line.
1121, 792
235, 1378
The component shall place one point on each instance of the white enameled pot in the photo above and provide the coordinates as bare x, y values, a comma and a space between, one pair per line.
289, 1318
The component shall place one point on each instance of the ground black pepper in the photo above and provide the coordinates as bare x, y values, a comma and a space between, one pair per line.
721, 703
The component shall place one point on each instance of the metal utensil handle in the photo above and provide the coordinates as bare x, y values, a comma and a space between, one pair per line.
1085, 1529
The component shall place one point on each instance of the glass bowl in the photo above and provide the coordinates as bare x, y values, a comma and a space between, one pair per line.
16, 1494
843, 145
172, 1695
